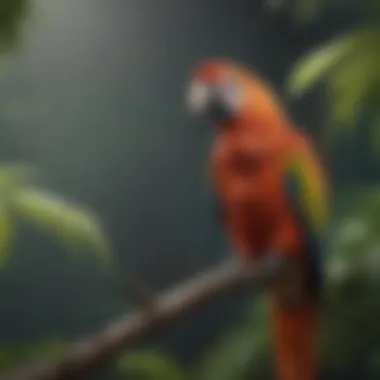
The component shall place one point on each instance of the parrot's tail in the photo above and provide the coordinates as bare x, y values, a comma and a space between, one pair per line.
295, 335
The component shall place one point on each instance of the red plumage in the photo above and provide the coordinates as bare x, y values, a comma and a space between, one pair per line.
249, 163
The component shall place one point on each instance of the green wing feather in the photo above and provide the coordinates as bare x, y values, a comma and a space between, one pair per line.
306, 191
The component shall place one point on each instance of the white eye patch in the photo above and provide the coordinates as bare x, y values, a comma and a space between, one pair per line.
200, 96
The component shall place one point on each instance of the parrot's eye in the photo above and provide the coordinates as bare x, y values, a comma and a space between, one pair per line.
220, 100
230, 93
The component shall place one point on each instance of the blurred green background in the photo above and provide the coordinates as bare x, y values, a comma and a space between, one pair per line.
91, 91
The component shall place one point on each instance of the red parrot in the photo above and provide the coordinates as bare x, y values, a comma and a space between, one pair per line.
273, 197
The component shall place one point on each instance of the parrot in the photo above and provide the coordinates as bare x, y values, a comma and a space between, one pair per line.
271, 192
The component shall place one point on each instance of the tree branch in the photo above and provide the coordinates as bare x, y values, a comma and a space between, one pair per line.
99, 350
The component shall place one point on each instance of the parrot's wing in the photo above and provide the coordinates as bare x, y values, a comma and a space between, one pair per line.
306, 194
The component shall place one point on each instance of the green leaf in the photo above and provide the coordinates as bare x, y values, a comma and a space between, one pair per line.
6, 233
350, 87
15, 355
314, 66
13, 14
320, 62
75, 226
20, 173
152, 365
12, 176
348, 67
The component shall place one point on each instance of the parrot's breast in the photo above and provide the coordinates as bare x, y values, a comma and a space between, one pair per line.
251, 192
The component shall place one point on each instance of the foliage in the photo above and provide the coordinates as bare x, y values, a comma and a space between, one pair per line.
351, 330
152, 365
12, 17
346, 66
13, 356
73, 225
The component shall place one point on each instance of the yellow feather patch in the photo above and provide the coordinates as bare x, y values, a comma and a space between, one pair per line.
310, 193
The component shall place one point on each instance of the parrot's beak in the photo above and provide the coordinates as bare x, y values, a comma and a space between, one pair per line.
219, 105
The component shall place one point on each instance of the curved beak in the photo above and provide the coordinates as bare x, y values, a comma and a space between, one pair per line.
214, 101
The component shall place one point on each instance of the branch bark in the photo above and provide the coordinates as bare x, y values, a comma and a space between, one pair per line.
101, 349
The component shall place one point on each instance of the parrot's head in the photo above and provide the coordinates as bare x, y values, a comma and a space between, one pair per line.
214, 92
224, 92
